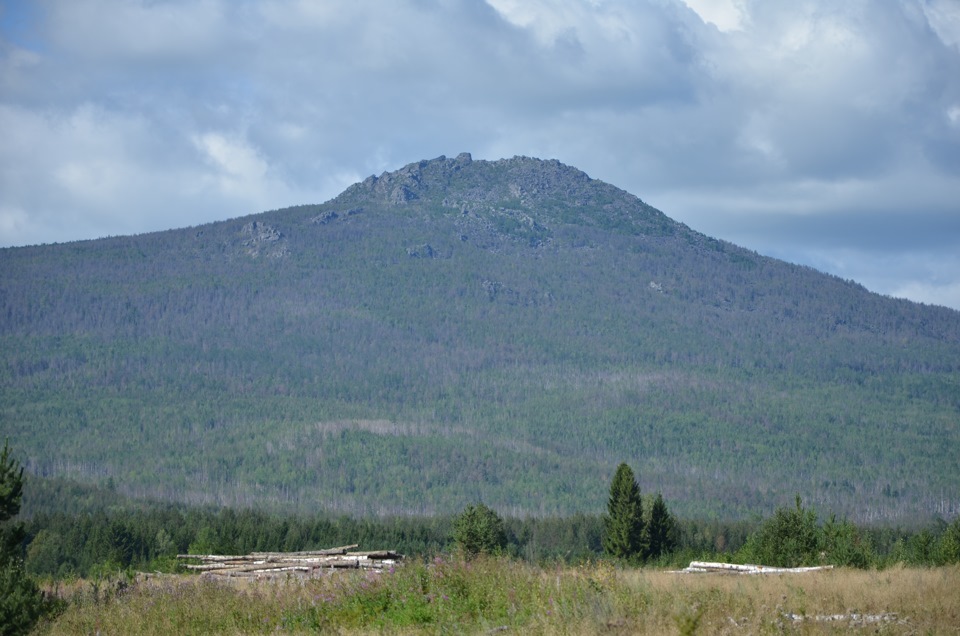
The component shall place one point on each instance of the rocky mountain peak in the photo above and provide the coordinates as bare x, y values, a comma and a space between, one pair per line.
544, 191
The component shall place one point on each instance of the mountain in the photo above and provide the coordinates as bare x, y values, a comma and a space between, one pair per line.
461, 330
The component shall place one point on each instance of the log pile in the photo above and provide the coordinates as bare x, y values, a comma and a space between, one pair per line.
852, 619
301, 564
734, 568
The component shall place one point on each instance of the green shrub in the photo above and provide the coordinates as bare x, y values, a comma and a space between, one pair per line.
791, 538
845, 545
479, 530
949, 551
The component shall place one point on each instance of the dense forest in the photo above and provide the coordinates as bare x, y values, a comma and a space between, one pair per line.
73, 530
461, 331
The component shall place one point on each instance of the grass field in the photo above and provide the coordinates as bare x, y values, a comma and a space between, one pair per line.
488, 596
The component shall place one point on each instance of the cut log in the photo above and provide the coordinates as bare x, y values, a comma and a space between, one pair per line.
707, 566
306, 553
377, 554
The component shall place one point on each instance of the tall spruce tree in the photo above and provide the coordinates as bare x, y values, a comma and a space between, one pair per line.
21, 602
662, 530
623, 527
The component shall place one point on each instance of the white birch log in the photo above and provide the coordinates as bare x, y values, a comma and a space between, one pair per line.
747, 568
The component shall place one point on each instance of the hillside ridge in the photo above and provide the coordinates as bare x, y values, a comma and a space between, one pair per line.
460, 330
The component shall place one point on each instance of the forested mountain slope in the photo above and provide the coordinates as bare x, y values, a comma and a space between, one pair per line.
462, 330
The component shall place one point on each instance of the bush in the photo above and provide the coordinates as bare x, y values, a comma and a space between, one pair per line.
844, 545
479, 530
950, 544
791, 538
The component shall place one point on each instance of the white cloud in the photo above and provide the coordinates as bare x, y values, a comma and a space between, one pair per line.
726, 15
238, 167
946, 295
928, 278
67, 174
944, 18
953, 115
13, 221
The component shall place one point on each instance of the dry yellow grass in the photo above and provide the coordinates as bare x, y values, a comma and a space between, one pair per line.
502, 596
894, 601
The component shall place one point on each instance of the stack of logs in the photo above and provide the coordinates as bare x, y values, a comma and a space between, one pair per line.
303, 564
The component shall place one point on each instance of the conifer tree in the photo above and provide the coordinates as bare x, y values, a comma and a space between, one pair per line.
662, 530
623, 528
21, 602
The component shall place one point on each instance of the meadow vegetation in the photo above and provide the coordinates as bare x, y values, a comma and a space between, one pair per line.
503, 595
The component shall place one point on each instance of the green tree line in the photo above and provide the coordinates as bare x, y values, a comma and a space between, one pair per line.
105, 533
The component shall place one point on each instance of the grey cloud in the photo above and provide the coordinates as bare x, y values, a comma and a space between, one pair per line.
797, 125
929, 277
879, 231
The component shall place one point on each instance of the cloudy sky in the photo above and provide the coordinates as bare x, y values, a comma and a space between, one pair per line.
821, 132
